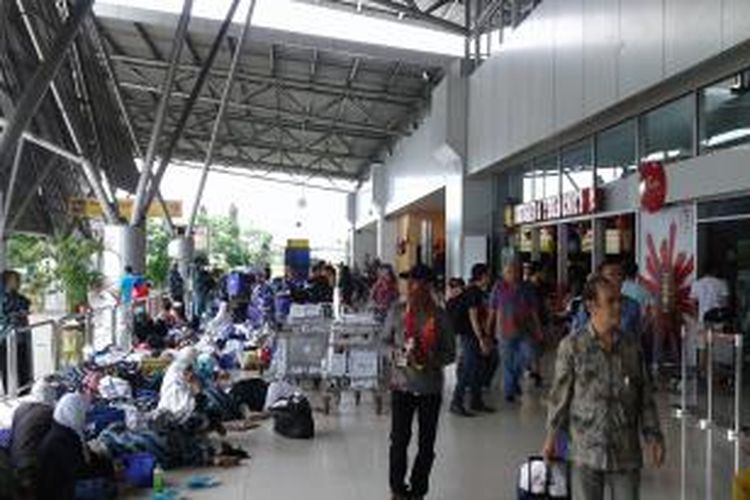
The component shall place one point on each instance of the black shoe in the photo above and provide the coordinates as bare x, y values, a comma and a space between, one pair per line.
510, 399
482, 408
460, 411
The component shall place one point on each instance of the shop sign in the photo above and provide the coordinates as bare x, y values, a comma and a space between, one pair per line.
653, 186
569, 204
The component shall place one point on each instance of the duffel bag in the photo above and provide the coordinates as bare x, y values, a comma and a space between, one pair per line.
292, 418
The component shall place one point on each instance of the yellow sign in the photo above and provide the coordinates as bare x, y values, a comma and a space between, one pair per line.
89, 207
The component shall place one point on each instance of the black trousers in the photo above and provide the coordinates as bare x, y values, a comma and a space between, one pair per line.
404, 407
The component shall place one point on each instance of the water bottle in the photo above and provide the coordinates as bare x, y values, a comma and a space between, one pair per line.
158, 484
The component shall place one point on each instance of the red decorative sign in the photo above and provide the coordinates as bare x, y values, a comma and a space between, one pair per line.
653, 186
571, 204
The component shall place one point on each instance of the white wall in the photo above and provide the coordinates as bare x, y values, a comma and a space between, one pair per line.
573, 58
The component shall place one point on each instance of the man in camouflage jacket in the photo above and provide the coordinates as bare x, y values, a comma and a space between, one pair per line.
602, 396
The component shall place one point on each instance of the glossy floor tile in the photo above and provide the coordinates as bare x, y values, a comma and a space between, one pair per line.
477, 459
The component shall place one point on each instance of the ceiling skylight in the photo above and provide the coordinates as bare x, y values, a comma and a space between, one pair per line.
314, 20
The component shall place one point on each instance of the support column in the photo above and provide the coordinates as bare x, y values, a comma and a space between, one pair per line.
123, 246
598, 252
562, 254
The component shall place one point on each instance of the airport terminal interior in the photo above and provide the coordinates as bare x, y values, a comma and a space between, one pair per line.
375, 249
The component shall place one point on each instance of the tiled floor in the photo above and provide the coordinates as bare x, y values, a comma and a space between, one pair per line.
477, 459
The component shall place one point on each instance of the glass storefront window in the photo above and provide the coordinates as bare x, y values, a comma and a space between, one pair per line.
528, 184
667, 132
577, 166
615, 152
725, 113
546, 177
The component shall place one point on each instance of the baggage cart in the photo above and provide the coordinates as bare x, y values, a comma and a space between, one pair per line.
356, 361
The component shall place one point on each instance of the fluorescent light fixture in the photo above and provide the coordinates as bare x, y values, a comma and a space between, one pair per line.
314, 20
726, 137
673, 153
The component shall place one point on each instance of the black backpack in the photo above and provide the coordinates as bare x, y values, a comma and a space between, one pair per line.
292, 417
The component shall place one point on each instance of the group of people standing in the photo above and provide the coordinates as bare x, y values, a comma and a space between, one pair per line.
601, 399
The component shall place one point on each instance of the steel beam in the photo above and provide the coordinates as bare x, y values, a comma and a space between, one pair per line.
56, 57
125, 114
238, 172
37, 87
391, 96
485, 16
161, 111
11, 187
140, 210
273, 111
219, 117
248, 163
31, 194
422, 16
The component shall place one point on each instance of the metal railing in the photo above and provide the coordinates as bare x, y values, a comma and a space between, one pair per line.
96, 327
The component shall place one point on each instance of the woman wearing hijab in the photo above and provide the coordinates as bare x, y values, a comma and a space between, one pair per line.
61, 453
31, 423
180, 386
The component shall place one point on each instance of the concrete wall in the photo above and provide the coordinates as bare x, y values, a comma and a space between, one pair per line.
552, 73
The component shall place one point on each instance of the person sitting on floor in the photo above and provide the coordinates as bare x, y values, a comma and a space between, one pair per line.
32, 421
61, 452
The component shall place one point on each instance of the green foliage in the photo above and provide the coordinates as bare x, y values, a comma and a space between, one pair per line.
232, 246
29, 255
157, 256
75, 269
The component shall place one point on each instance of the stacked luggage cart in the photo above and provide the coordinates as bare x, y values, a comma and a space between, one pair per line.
699, 406
302, 345
355, 360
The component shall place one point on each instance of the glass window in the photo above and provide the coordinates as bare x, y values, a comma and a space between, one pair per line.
528, 184
725, 113
667, 132
546, 177
615, 152
577, 167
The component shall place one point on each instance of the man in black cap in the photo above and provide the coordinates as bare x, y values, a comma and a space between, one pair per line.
423, 344
475, 343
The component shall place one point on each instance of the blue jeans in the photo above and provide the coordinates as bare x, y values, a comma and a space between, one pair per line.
516, 354
468, 371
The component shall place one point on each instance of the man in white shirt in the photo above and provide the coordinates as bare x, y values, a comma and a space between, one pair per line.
710, 292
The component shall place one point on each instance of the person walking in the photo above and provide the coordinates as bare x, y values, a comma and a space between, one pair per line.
384, 292
470, 324
514, 320
630, 309
602, 395
176, 284
423, 344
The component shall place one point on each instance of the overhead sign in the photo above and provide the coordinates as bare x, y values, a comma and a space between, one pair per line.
571, 204
91, 208
653, 186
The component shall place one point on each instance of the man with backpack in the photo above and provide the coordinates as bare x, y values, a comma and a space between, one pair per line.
470, 319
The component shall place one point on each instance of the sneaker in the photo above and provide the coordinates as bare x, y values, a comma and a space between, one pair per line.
482, 408
460, 411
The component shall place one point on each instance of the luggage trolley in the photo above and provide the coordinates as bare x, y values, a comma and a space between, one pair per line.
302, 346
356, 360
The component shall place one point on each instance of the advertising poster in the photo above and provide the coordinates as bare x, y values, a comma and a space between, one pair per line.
667, 267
